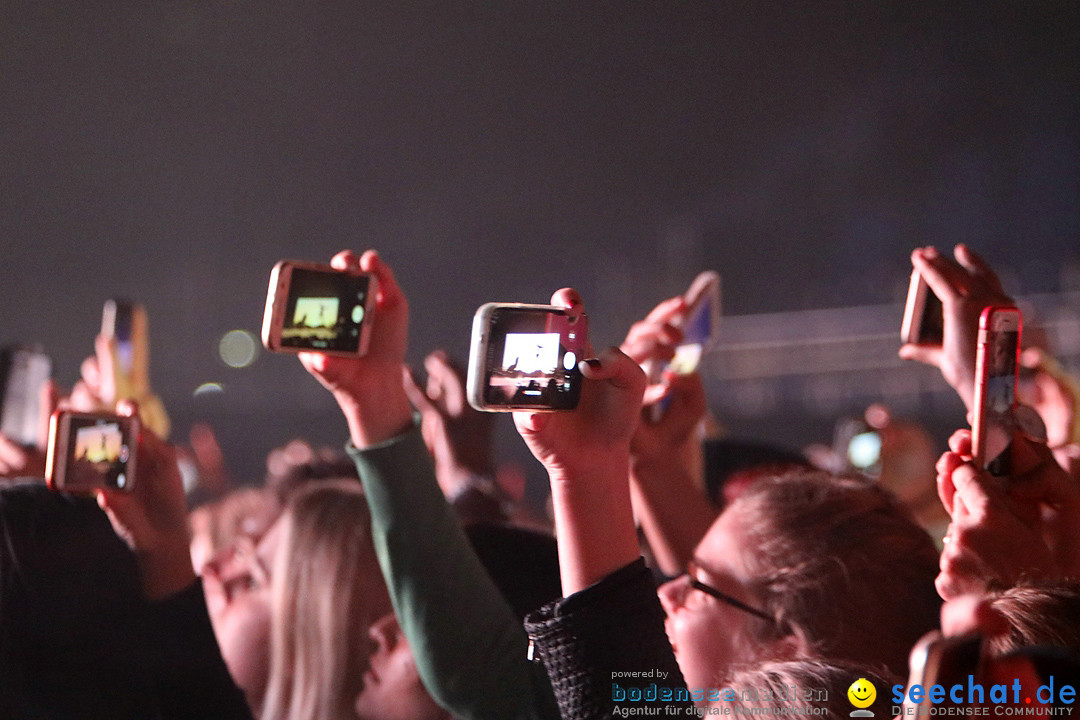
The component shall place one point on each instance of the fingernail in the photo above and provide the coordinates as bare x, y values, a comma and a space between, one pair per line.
594, 363
930, 251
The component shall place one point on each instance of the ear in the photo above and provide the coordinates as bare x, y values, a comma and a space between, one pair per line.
386, 633
792, 646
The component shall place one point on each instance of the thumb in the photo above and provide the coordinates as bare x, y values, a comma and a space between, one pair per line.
928, 354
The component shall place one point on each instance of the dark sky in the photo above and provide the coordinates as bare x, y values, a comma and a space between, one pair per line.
173, 151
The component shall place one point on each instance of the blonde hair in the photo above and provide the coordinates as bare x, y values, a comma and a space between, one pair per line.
326, 592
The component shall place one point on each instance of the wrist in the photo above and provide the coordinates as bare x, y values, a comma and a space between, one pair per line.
597, 470
375, 415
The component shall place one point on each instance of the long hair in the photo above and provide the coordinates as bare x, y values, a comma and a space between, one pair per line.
326, 592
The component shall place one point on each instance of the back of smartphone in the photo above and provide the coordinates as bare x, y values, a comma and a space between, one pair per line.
996, 365
23, 371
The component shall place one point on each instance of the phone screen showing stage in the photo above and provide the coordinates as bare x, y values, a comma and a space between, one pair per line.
98, 454
532, 359
324, 311
1000, 396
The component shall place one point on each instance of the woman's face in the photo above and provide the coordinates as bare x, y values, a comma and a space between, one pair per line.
237, 588
708, 634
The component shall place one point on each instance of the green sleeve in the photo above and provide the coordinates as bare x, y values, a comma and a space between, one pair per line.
469, 649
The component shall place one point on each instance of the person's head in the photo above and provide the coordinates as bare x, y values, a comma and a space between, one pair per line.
336, 648
236, 582
822, 566
1045, 614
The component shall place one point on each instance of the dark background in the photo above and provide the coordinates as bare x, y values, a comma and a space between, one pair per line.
173, 151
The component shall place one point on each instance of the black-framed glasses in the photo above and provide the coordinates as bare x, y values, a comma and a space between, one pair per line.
723, 596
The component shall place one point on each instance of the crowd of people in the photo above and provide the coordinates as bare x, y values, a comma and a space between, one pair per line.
404, 578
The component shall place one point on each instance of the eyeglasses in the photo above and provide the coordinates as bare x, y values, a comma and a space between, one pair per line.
691, 572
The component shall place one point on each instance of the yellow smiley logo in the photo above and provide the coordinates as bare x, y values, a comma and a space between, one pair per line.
862, 693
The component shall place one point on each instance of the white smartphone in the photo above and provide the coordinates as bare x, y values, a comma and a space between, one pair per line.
924, 317
88, 451
996, 363
316, 308
525, 357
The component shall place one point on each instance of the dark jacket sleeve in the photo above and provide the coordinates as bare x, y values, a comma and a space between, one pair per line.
188, 672
605, 649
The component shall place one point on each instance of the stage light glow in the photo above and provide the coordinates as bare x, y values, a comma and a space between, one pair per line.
209, 388
238, 348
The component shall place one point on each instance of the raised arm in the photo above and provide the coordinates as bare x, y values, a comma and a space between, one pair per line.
610, 620
665, 451
469, 649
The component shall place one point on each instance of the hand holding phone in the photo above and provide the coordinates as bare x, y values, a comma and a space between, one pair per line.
699, 323
125, 331
368, 388
965, 285
586, 453
318, 308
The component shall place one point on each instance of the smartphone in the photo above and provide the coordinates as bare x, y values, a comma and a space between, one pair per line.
996, 362
700, 324
22, 373
525, 357
924, 318
88, 451
944, 661
858, 444
118, 322
316, 308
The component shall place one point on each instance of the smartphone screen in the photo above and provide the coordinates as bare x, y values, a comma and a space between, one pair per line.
932, 322
529, 358
700, 325
22, 373
89, 451
995, 390
324, 311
